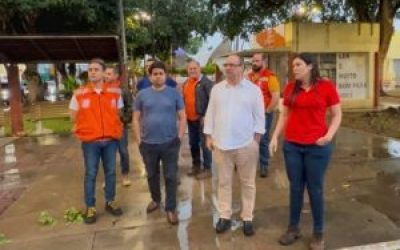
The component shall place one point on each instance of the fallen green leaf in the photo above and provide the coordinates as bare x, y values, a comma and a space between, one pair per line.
72, 215
46, 219
4, 240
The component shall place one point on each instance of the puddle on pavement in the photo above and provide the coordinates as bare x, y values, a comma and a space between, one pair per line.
48, 140
9, 156
354, 144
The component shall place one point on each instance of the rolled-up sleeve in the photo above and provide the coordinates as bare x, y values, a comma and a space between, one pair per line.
73, 104
210, 115
258, 113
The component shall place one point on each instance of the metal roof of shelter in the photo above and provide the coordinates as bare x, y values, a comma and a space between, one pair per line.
34, 49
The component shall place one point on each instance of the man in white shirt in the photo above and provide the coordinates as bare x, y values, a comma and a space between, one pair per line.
234, 124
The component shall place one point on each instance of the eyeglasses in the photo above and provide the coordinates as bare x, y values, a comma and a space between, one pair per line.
231, 65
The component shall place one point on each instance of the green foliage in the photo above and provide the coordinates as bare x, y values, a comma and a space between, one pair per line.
72, 215
242, 17
57, 125
46, 219
179, 71
193, 45
58, 16
3, 239
209, 69
173, 24
70, 84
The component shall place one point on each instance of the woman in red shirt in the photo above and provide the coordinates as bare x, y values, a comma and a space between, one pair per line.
307, 146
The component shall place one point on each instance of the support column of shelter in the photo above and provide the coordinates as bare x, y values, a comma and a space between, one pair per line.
17, 125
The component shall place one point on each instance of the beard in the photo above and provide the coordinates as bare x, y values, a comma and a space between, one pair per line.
256, 68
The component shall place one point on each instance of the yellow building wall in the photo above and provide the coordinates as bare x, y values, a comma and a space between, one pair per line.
369, 102
341, 38
389, 81
336, 37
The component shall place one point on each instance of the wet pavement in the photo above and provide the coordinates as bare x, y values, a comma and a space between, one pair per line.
46, 173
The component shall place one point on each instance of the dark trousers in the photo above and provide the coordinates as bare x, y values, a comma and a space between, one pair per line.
92, 153
167, 153
306, 166
264, 142
123, 151
197, 141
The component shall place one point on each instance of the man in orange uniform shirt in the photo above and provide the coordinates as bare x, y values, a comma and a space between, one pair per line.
269, 85
196, 94
95, 114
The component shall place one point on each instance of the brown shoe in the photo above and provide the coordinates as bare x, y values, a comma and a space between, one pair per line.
172, 217
153, 206
317, 242
206, 173
290, 237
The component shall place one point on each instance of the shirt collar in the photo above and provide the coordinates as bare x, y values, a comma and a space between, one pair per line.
197, 79
241, 84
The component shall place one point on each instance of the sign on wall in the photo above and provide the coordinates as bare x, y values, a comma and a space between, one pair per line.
271, 38
352, 75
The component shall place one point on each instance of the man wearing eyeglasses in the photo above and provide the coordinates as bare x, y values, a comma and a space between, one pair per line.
234, 124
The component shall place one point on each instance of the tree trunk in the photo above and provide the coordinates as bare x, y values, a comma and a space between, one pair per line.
60, 67
17, 124
386, 33
72, 69
33, 82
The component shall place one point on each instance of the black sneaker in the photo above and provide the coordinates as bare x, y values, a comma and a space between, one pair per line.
113, 209
90, 215
263, 172
223, 225
248, 228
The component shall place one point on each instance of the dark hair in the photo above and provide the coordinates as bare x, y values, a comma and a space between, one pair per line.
309, 59
157, 65
150, 60
98, 61
115, 68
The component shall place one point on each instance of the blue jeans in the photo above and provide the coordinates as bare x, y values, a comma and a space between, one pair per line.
123, 151
264, 152
92, 153
306, 166
197, 140
167, 153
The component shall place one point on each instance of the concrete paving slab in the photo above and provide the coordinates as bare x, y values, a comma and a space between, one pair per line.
362, 193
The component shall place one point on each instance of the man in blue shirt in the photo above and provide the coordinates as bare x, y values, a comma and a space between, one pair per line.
159, 136
145, 81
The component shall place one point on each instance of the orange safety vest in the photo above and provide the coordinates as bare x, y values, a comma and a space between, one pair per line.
98, 114
261, 80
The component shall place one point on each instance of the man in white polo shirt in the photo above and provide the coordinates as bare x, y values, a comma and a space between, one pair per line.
234, 124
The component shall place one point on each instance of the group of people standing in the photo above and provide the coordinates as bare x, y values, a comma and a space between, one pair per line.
229, 121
